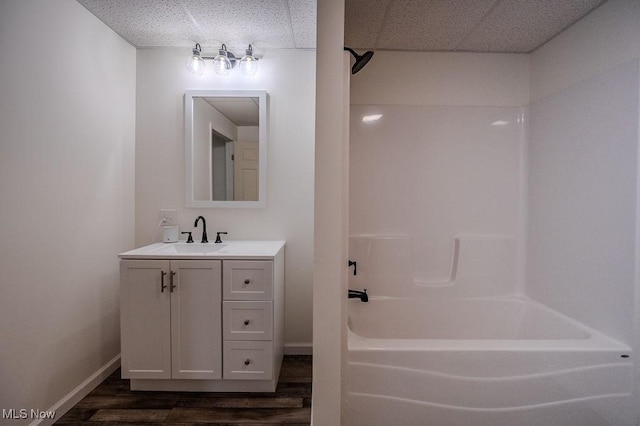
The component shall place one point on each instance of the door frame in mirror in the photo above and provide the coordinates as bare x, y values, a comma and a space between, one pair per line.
263, 97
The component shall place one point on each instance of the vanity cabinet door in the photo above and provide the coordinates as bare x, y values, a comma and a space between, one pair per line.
171, 319
196, 327
145, 319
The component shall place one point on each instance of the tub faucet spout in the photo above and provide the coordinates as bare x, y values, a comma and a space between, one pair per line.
362, 295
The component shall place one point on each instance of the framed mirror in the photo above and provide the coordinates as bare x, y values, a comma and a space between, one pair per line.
225, 148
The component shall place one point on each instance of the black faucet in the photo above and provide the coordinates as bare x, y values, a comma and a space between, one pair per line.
204, 228
362, 295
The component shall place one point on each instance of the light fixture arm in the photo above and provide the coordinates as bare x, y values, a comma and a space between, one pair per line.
230, 55
223, 51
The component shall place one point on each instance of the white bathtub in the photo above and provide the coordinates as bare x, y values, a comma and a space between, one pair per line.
500, 361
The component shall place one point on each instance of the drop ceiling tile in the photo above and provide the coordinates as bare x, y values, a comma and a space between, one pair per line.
430, 24
363, 22
524, 25
422, 25
303, 18
179, 23
144, 22
263, 23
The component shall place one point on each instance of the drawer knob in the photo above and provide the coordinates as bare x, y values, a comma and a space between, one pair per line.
247, 281
247, 361
247, 322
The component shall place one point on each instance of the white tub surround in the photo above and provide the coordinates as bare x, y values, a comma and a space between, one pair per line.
434, 173
203, 317
467, 350
493, 361
540, 152
514, 322
394, 265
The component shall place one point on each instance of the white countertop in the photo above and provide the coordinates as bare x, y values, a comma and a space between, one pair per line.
227, 250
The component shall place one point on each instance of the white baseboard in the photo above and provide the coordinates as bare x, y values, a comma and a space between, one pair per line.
298, 349
83, 389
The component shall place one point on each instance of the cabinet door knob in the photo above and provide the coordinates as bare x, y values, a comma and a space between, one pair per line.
247, 361
247, 281
247, 322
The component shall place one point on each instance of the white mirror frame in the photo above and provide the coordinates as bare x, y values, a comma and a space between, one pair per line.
262, 146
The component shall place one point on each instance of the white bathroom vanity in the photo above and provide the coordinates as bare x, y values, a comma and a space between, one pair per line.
203, 317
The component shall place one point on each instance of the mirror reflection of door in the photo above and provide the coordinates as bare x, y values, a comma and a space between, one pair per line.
245, 171
225, 149
221, 183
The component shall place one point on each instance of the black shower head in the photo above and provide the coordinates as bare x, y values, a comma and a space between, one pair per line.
361, 60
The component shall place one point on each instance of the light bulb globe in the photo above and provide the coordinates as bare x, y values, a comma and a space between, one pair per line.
195, 63
248, 65
222, 65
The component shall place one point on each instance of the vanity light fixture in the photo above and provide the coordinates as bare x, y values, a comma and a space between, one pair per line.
248, 63
223, 62
195, 63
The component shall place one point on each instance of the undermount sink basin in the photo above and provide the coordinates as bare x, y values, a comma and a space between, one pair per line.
199, 248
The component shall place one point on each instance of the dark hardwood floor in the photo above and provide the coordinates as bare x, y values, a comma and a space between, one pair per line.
113, 403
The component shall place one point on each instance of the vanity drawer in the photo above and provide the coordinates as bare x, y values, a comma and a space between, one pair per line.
247, 280
247, 360
247, 320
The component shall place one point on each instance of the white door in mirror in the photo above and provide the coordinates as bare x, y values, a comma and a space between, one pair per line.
245, 171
